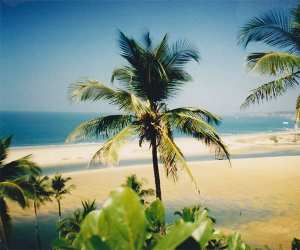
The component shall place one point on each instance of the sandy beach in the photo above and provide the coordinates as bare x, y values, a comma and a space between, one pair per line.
256, 196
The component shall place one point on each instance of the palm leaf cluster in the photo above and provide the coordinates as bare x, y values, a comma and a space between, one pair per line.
69, 227
60, 188
137, 186
279, 29
152, 75
14, 184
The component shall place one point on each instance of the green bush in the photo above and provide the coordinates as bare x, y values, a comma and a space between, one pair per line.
124, 223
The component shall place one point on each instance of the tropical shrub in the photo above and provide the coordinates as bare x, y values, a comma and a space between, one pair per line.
124, 223
69, 227
137, 186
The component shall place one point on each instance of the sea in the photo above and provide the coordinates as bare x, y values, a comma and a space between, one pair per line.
52, 128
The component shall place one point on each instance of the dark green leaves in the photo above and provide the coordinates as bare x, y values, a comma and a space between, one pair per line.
123, 223
155, 215
273, 28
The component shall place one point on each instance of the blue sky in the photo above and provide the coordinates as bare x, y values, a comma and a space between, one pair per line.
45, 46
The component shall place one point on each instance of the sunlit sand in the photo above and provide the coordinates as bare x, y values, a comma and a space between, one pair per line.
255, 196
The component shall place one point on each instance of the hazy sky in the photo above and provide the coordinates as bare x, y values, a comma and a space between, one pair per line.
45, 46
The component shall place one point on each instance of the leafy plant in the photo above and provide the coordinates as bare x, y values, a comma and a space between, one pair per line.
191, 214
13, 185
152, 76
137, 186
123, 223
281, 30
69, 227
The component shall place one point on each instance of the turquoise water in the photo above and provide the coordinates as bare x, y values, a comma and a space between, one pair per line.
48, 128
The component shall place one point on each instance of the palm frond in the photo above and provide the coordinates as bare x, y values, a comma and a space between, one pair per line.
60, 187
273, 28
108, 153
13, 192
272, 89
6, 220
192, 125
181, 53
130, 49
201, 113
93, 90
273, 63
172, 158
125, 75
40, 189
19, 168
106, 126
154, 74
162, 49
147, 41
4, 144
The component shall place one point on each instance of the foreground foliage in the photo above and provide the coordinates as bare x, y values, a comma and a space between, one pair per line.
69, 227
124, 223
152, 76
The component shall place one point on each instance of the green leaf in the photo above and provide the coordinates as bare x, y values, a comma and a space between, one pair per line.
96, 243
180, 232
122, 222
62, 244
235, 242
89, 226
155, 214
204, 233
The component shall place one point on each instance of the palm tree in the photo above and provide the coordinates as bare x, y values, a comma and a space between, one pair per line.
137, 186
60, 188
281, 30
40, 193
152, 76
13, 180
69, 227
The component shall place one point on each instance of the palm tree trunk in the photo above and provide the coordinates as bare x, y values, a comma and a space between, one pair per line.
59, 210
3, 229
155, 168
37, 233
3, 237
59, 215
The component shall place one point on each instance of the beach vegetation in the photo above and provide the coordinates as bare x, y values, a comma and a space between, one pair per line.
137, 186
153, 75
14, 183
69, 226
279, 29
125, 223
39, 194
60, 188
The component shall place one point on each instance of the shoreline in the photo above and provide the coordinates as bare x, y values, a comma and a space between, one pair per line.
222, 135
239, 146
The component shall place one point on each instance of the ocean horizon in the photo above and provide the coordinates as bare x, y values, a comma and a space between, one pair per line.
51, 128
